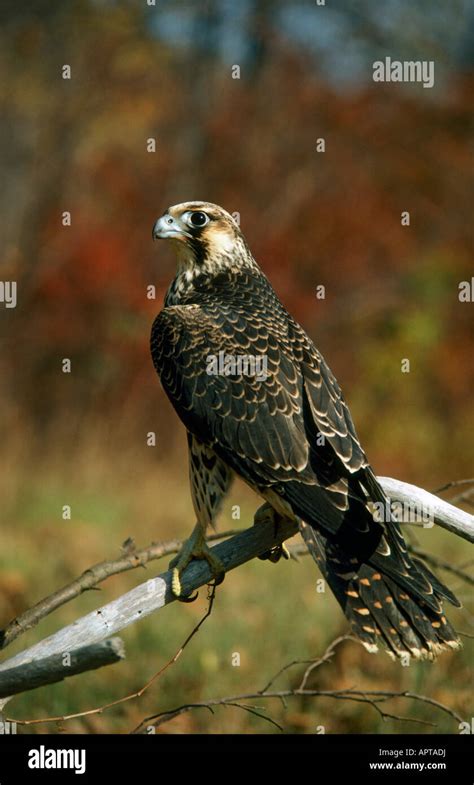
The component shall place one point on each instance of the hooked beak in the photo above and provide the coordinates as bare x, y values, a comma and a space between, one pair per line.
168, 228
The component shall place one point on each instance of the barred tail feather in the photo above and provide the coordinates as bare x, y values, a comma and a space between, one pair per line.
380, 612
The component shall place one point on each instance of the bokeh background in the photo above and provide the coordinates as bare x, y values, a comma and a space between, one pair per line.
165, 72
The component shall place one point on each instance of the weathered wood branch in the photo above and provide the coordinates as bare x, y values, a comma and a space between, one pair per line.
130, 559
156, 592
57, 667
443, 513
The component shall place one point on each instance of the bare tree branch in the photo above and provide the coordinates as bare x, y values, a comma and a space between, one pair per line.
57, 667
443, 514
441, 564
156, 592
454, 484
464, 498
89, 579
131, 696
372, 698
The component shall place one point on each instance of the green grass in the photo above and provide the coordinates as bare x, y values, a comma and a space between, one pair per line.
268, 614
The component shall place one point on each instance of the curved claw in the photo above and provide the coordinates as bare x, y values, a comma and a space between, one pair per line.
264, 514
186, 597
219, 578
276, 553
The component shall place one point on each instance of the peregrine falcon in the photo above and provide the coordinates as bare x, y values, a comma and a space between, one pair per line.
258, 400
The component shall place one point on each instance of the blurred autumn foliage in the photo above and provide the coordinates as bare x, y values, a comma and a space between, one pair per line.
249, 144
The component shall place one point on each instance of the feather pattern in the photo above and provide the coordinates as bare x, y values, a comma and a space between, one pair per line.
289, 434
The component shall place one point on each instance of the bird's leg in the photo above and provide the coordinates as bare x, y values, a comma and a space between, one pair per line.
209, 478
264, 514
195, 547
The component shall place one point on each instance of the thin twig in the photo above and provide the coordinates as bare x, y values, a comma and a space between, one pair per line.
256, 713
464, 498
312, 663
358, 696
370, 697
435, 561
453, 484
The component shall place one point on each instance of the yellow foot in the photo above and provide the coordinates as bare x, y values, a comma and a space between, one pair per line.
264, 514
194, 548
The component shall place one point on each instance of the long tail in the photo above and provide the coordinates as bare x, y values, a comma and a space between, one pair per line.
380, 612
389, 598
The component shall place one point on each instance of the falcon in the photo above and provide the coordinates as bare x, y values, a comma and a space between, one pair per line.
283, 426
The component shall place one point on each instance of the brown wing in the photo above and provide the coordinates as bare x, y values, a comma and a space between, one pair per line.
268, 429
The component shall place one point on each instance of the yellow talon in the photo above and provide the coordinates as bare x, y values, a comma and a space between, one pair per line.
194, 548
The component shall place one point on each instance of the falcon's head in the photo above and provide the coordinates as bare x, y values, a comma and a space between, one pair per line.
203, 234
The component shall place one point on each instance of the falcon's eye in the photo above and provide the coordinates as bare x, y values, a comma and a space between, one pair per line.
198, 219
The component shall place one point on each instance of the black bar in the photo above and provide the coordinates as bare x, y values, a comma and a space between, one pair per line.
323, 758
